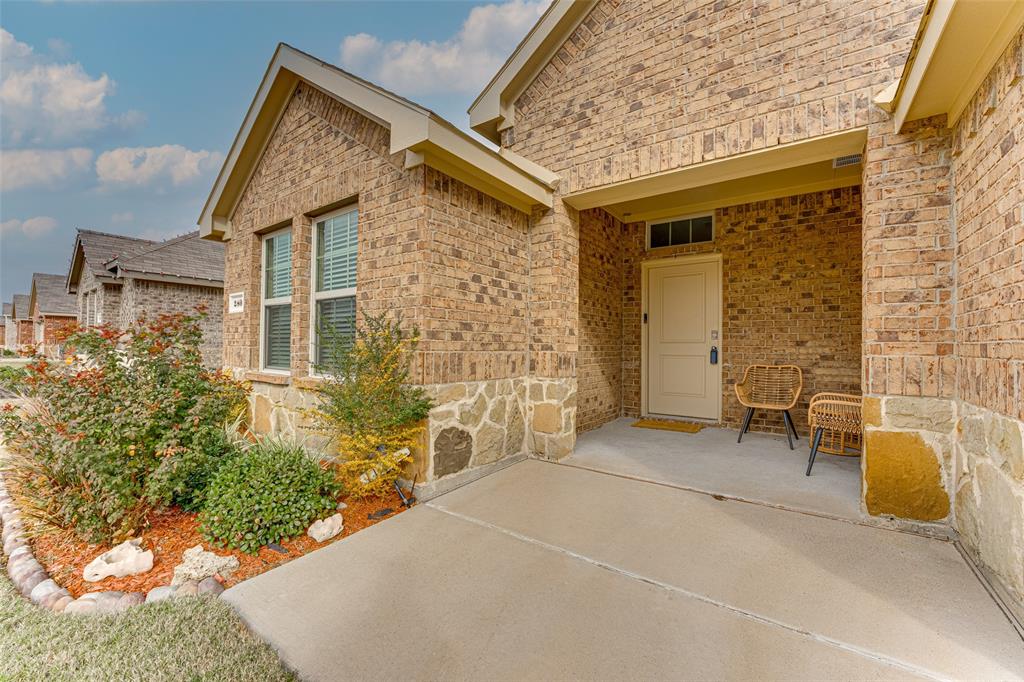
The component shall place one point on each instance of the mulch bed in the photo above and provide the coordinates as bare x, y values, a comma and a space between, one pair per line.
171, 533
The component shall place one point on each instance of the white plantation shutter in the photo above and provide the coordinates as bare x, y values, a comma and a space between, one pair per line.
336, 246
277, 308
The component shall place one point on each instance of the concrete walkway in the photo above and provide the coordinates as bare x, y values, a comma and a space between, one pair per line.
762, 468
543, 571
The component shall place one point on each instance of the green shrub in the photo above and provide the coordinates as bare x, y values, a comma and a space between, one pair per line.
12, 378
368, 406
271, 491
101, 424
185, 471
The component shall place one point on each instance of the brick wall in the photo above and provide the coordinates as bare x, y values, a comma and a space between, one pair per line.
644, 86
101, 298
26, 333
474, 317
988, 166
791, 294
988, 193
599, 367
51, 326
908, 254
324, 154
143, 298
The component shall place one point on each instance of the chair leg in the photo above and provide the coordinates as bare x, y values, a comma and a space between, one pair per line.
791, 425
789, 434
746, 423
814, 448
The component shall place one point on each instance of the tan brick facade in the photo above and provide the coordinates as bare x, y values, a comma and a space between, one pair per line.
644, 86
452, 260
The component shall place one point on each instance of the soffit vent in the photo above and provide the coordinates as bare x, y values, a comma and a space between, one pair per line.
844, 161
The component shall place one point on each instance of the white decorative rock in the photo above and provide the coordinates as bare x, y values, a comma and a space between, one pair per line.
125, 559
197, 564
325, 529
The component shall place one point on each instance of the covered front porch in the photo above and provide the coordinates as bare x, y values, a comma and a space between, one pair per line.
762, 469
688, 279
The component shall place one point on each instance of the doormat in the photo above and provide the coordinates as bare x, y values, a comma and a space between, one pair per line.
668, 425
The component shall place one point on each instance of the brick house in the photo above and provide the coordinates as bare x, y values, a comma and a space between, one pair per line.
117, 279
835, 185
23, 332
6, 324
51, 308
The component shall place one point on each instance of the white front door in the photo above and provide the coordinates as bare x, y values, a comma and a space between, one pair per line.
684, 312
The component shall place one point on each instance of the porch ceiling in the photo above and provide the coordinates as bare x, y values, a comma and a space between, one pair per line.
783, 170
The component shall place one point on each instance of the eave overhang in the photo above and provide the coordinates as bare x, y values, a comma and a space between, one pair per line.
494, 108
421, 134
957, 43
779, 171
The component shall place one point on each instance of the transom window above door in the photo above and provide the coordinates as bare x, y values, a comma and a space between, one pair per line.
680, 231
335, 251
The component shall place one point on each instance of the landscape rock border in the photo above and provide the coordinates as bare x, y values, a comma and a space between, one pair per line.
36, 585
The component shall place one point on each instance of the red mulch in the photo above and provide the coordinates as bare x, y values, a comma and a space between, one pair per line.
171, 533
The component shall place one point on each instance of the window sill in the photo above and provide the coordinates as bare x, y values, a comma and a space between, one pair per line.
269, 378
309, 382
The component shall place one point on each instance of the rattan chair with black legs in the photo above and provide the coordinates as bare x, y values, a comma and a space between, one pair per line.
836, 427
770, 387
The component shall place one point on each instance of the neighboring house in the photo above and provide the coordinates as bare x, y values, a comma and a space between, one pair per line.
837, 186
118, 280
24, 333
6, 324
52, 309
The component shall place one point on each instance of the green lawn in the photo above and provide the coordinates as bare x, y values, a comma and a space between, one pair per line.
191, 638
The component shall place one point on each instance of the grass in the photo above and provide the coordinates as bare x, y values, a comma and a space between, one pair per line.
191, 638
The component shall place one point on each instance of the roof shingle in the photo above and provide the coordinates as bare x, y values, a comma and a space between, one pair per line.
51, 296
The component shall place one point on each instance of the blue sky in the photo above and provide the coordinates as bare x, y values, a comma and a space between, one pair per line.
116, 116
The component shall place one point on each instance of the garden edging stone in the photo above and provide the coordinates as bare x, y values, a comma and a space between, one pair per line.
32, 580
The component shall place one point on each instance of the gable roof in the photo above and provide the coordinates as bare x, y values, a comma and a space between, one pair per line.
956, 46
425, 137
20, 307
182, 258
494, 108
50, 297
95, 249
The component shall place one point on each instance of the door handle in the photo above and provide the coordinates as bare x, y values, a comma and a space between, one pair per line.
714, 355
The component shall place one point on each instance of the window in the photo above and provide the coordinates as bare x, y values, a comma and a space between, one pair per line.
678, 231
335, 247
277, 301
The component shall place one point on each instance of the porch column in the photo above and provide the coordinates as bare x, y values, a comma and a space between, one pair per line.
554, 331
908, 337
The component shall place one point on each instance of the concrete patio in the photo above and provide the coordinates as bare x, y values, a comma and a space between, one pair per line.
545, 571
760, 469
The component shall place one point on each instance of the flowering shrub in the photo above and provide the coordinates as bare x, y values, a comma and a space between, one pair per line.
272, 491
129, 423
368, 406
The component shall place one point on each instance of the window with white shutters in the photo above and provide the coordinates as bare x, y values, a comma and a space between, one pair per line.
335, 247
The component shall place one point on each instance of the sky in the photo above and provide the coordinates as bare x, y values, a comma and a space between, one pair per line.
116, 116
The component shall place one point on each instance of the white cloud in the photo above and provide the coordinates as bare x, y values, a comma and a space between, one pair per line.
32, 167
463, 63
139, 166
32, 227
46, 102
123, 217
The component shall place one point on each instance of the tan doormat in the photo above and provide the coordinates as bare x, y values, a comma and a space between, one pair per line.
668, 425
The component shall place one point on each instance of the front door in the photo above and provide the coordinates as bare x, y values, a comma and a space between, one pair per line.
683, 324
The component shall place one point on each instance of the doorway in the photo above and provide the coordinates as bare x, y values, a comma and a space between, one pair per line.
682, 368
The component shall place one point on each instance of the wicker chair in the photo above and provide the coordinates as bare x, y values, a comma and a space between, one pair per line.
836, 427
770, 387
